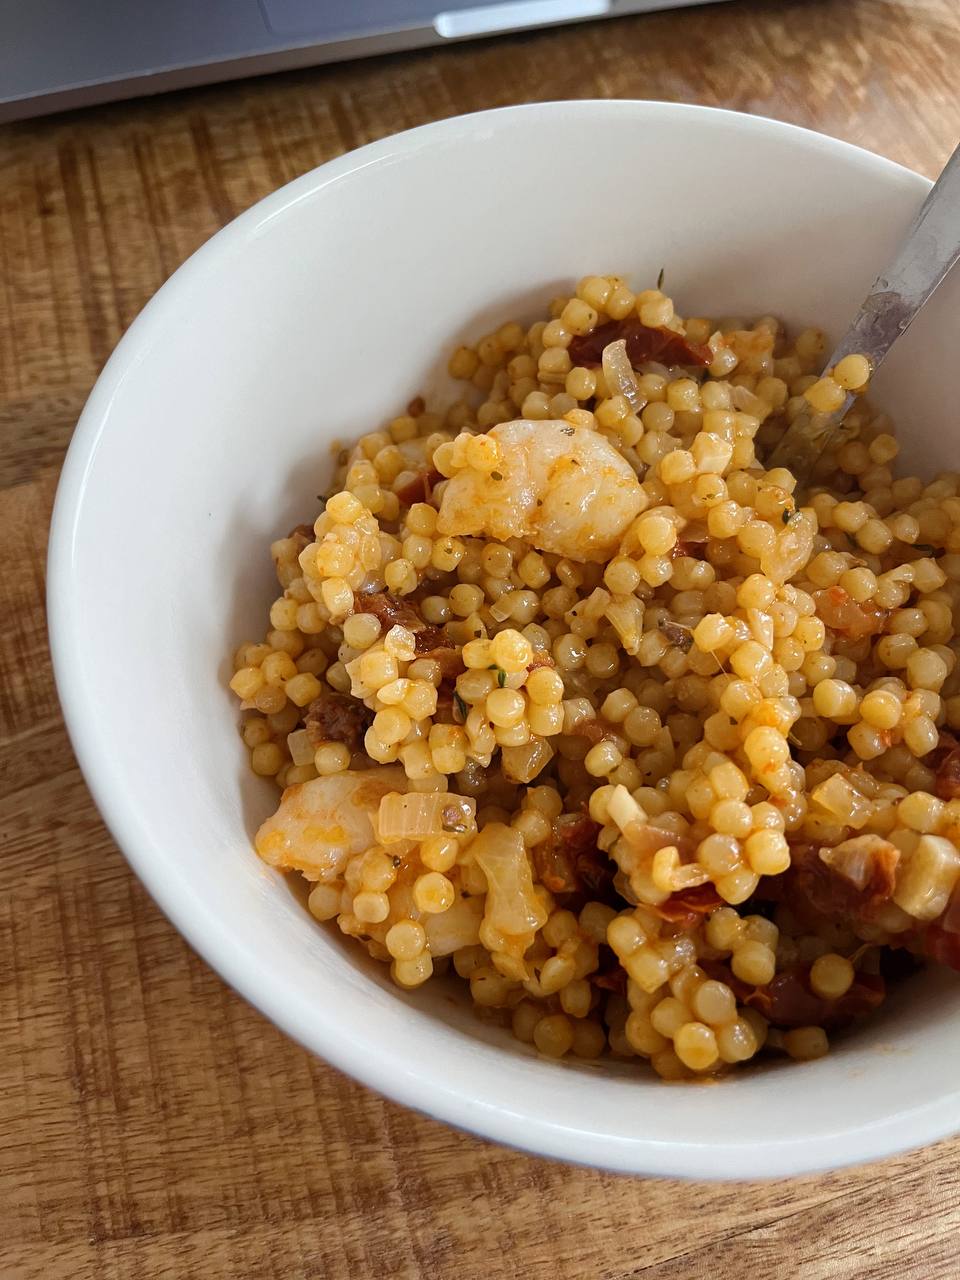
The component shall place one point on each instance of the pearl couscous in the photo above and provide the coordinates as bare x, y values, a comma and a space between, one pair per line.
566, 692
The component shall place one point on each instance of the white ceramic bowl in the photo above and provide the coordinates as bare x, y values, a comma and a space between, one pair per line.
316, 315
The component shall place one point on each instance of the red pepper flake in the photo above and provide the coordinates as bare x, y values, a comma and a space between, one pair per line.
643, 343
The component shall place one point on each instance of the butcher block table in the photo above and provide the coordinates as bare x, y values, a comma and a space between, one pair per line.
152, 1124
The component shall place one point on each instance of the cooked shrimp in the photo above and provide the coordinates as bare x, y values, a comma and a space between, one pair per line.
564, 489
322, 824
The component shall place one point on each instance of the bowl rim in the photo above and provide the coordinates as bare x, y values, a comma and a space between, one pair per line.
233, 959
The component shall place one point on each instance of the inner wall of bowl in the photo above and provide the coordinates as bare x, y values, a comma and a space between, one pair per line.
316, 318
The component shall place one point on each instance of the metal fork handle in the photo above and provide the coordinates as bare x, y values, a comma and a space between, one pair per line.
929, 250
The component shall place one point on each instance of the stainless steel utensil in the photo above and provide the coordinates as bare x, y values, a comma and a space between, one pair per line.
931, 247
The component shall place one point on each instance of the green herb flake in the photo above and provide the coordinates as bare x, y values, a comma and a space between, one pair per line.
660, 276
787, 516
461, 707
501, 677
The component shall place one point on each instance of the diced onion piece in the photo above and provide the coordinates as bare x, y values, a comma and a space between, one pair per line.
619, 376
854, 858
417, 816
927, 878
844, 801
522, 764
645, 838
623, 809
301, 748
689, 876
761, 624
512, 907
625, 614
747, 402
791, 549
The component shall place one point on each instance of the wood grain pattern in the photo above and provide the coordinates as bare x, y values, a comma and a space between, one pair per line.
151, 1124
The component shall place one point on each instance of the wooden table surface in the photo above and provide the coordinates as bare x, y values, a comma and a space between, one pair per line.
151, 1123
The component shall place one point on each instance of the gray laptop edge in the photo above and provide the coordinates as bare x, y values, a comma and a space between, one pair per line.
58, 54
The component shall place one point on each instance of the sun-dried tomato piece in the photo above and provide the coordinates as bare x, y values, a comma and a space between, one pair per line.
787, 1001
429, 641
687, 907
680, 636
613, 980
644, 343
813, 883
336, 717
569, 861
435, 644
941, 945
390, 611
947, 785
420, 488
593, 729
